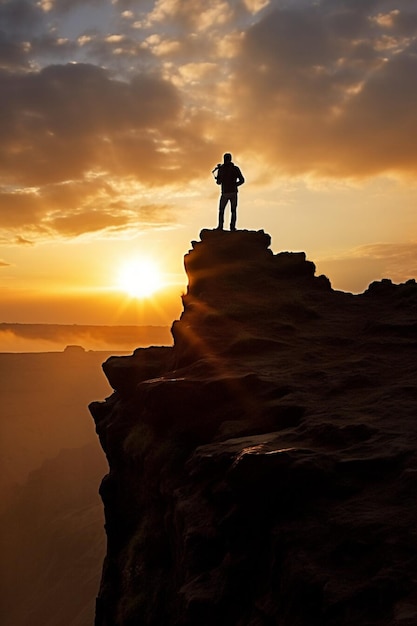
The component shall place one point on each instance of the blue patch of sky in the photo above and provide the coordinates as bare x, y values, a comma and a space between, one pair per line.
86, 18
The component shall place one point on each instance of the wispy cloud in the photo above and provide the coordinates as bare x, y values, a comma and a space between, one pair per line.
356, 268
399, 259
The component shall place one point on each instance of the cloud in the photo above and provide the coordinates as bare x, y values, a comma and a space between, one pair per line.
98, 205
64, 6
330, 89
196, 15
20, 18
19, 240
12, 54
399, 259
68, 119
111, 220
17, 209
4, 263
254, 6
18, 21
360, 266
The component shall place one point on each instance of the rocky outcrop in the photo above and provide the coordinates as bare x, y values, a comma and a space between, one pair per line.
263, 469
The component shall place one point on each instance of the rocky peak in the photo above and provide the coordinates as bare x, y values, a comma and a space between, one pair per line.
236, 285
262, 469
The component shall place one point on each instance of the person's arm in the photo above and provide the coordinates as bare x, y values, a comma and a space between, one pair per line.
240, 180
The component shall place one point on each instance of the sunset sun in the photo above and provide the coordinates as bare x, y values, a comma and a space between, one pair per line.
139, 278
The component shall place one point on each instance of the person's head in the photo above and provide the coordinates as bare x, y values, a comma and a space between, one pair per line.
227, 158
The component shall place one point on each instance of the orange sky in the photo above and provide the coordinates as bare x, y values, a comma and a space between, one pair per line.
115, 112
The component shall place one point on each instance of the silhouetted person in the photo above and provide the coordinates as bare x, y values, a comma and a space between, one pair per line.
230, 178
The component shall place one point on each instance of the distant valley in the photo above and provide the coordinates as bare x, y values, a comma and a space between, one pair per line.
52, 539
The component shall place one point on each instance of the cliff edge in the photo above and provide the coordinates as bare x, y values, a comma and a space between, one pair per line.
263, 469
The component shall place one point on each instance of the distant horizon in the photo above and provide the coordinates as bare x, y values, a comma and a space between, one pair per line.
37, 337
6, 323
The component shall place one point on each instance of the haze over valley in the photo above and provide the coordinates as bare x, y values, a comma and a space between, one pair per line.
51, 523
55, 337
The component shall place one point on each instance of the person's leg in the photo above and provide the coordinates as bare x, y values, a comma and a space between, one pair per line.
222, 206
233, 208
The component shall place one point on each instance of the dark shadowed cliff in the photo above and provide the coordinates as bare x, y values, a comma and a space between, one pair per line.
263, 470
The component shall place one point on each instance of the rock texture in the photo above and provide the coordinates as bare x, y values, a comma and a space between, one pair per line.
263, 469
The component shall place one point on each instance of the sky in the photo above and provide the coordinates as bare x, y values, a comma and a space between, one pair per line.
115, 112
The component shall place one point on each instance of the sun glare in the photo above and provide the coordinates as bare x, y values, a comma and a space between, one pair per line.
139, 278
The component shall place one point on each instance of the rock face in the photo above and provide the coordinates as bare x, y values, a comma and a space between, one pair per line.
263, 470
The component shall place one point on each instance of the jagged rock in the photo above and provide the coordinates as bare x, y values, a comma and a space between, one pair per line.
124, 373
263, 468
